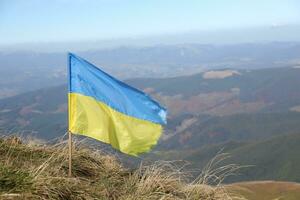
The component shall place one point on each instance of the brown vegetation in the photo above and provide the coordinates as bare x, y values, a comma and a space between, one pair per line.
40, 172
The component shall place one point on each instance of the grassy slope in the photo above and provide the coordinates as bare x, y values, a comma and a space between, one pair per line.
30, 171
39, 172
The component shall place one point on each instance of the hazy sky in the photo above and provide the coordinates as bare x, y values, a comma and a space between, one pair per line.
26, 21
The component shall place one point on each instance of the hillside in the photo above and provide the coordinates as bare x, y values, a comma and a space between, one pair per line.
266, 190
239, 91
275, 158
36, 171
41, 113
209, 110
206, 130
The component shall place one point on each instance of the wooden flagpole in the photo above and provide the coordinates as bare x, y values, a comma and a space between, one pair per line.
70, 154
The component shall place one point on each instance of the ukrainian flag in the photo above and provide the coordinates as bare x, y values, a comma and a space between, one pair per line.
106, 109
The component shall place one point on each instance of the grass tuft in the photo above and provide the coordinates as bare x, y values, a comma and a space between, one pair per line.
36, 171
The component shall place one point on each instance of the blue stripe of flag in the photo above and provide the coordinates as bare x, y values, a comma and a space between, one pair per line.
87, 79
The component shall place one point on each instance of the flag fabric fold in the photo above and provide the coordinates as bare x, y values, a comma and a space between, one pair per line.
106, 109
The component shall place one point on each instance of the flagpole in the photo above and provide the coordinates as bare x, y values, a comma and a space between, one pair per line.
69, 132
70, 154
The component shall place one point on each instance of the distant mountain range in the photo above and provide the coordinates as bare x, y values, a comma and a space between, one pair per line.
279, 32
26, 71
252, 114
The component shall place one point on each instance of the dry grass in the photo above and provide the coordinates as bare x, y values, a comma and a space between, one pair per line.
40, 172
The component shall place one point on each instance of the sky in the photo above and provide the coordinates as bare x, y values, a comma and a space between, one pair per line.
34, 21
